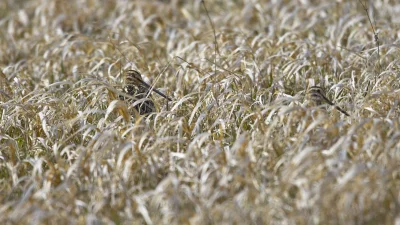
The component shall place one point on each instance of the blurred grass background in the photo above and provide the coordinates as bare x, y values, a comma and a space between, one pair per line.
238, 145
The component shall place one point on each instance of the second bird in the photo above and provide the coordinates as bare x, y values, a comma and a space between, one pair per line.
317, 95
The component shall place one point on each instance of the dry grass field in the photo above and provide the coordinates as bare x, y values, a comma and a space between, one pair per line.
240, 142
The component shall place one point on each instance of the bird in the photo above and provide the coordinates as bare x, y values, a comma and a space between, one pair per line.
317, 95
136, 87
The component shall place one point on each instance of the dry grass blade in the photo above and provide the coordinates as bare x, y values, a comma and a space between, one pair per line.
5, 90
120, 107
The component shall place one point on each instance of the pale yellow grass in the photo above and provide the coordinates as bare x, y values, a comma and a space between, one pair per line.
238, 145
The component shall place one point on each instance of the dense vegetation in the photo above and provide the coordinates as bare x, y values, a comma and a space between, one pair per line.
239, 143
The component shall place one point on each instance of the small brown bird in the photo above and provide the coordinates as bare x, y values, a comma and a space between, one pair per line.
317, 95
136, 87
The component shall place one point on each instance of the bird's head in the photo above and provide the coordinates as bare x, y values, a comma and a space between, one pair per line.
134, 77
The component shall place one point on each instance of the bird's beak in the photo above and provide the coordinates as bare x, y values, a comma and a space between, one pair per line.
327, 100
153, 89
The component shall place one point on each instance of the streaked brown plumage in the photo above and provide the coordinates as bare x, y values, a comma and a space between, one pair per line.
136, 87
317, 95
